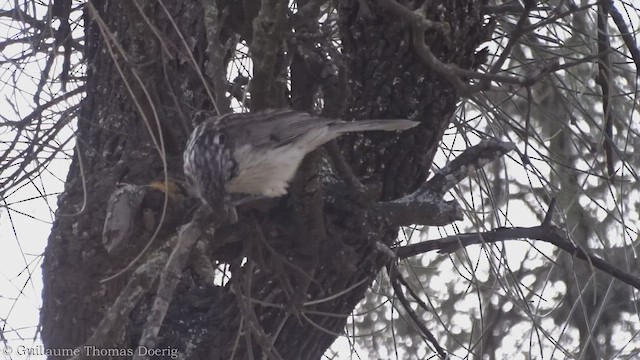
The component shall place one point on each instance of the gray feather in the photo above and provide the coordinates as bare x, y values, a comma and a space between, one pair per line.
373, 125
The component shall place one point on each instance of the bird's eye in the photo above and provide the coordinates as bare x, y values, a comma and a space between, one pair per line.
219, 139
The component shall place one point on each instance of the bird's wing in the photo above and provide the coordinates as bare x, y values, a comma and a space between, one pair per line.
275, 128
293, 125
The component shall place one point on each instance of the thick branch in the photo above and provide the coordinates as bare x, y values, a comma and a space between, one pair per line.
427, 209
471, 159
426, 206
169, 279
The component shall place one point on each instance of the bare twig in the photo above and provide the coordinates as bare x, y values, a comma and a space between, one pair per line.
546, 232
242, 290
604, 80
514, 35
454, 74
627, 36
41, 108
396, 280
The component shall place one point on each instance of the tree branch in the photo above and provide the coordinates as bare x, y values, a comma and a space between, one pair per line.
627, 36
603, 79
454, 74
471, 159
170, 277
396, 280
426, 206
546, 232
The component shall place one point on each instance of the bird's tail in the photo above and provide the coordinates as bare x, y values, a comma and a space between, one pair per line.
374, 125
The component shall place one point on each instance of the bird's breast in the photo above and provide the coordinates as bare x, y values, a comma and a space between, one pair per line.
265, 172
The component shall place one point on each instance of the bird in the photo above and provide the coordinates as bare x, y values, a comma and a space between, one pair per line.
258, 153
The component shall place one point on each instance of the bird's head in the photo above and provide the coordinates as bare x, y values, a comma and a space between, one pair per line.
208, 164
